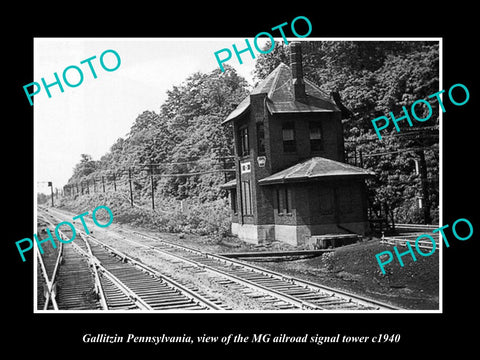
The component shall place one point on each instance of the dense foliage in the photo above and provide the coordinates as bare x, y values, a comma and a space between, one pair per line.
186, 135
180, 151
374, 78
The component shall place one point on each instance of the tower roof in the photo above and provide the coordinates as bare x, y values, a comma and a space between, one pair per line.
278, 86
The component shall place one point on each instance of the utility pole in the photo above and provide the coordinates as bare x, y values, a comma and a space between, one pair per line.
239, 187
151, 183
224, 163
130, 182
424, 187
51, 190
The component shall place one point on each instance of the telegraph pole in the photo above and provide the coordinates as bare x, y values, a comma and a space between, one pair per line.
51, 190
114, 183
130, 182
151, 182
424, 186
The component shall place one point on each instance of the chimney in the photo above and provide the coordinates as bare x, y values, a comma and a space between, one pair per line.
297, 71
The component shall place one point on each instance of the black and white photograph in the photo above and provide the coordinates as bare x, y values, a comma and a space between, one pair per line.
222, 191
274, 195
271, 196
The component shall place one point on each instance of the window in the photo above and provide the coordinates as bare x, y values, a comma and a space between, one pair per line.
260, 139
288, 136
246, 198
243, 141
284, 200
233, 195
315, 136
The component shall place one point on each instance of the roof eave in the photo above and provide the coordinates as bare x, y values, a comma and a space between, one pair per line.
232, 184
265, 182
236, 114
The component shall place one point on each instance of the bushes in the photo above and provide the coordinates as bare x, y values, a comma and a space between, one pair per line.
207, 218
410, 213
170, 215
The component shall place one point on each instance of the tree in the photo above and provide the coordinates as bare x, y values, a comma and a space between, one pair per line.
42, 198
194, 112
86, 167
374, 78
186, 136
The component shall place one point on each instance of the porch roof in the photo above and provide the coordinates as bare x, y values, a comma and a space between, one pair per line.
313, 169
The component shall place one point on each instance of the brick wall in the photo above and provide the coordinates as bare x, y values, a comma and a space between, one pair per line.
341, 201
332, 138
304, 196
318, 203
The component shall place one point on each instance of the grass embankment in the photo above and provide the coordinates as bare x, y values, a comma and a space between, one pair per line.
195, 218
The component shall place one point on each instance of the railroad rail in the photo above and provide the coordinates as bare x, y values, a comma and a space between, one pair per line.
272, 255
300, 293
111, 280
279, 290
56, 269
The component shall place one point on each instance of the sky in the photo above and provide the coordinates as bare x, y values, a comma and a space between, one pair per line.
89, 118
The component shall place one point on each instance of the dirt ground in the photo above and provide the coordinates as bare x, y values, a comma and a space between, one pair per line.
352, 268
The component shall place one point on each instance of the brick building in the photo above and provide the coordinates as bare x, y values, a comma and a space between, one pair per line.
292, 183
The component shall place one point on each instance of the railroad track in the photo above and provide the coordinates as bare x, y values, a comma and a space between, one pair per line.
88, 276
64, 277
296, 293
281, 292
